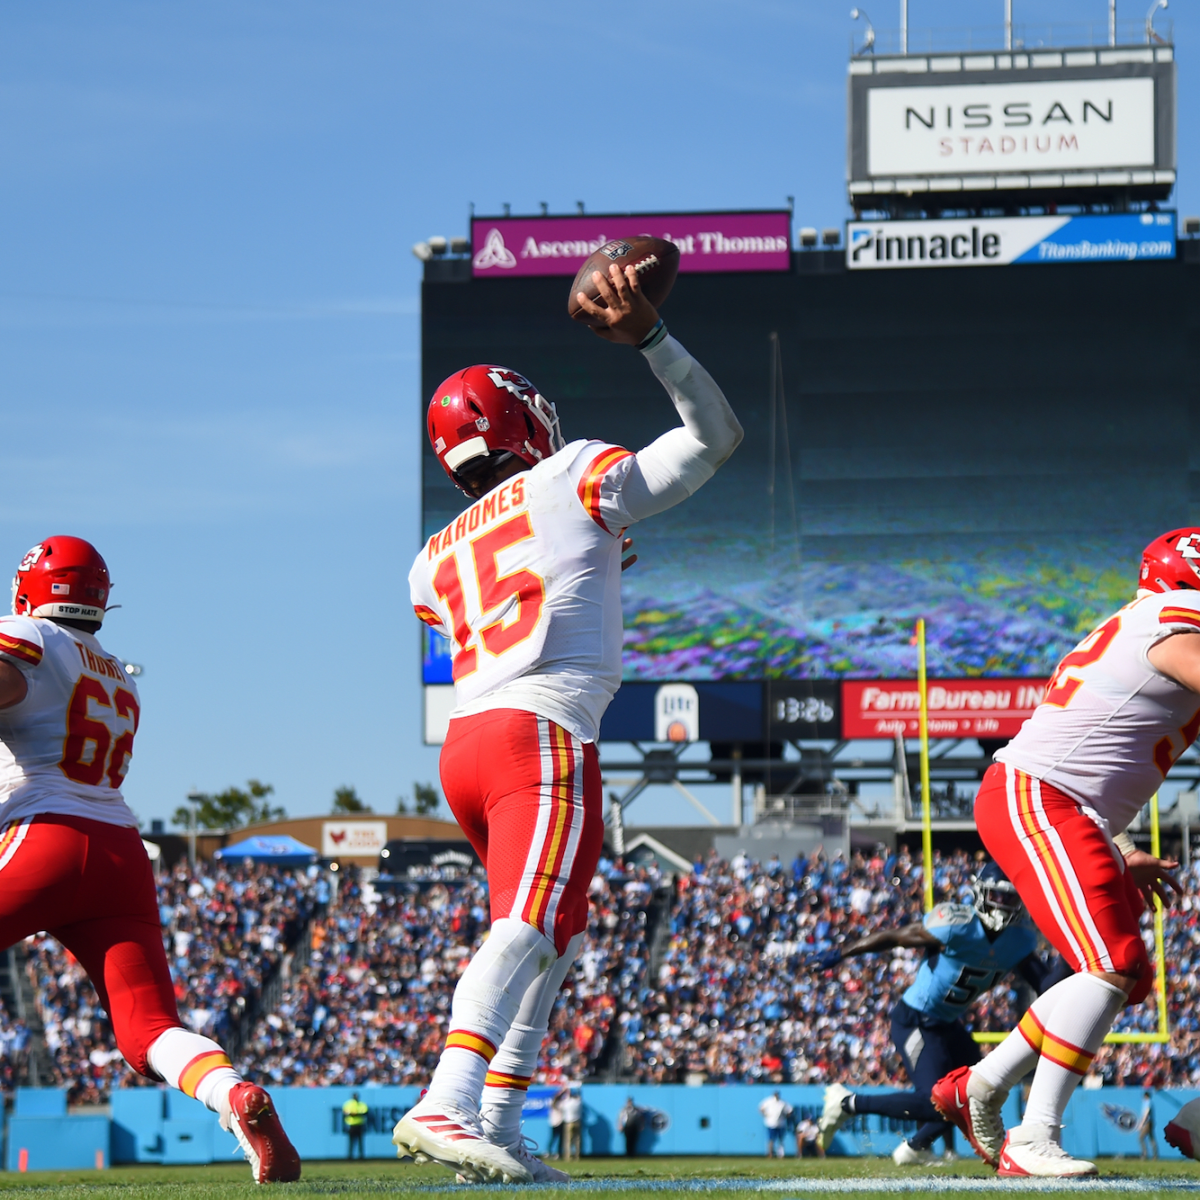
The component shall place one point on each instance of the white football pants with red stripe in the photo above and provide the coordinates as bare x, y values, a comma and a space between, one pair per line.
528, 795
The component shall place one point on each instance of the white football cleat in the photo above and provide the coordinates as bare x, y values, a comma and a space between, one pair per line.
542, 1172
442, 1133
832, 1115
905, 1155
1031, 1150
1183, 1132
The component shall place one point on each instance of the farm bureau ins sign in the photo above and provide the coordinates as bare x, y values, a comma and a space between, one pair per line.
989, 708
504, 247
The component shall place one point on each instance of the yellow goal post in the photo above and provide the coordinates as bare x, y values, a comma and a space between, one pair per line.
1160, 1035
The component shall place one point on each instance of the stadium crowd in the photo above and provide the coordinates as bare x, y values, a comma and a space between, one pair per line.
14, 1045
224, 928
735, 1001
730, 999
373, 1003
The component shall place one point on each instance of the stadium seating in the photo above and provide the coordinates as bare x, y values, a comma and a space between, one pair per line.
729, 999
225, 929
373, 1003
14, 1045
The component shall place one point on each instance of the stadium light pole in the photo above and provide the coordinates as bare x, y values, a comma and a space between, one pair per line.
194, 798
1112, 22
903, 26
1008, 24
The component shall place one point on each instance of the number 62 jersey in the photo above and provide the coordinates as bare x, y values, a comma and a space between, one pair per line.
66, 747
527, 585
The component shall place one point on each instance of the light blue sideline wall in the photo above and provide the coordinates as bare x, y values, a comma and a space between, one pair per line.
157, 1125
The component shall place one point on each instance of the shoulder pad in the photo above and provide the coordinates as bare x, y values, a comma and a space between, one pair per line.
21, 641
576, 454
949, 914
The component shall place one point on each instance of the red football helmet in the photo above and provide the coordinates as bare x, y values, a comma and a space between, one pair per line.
1171, 562
486, 410
62, 577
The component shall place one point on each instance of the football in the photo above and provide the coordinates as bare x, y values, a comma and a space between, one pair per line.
656, 260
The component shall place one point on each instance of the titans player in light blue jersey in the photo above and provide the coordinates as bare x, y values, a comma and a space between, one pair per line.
969, 948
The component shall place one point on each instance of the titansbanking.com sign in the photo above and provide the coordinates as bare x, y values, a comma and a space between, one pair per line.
1003, 241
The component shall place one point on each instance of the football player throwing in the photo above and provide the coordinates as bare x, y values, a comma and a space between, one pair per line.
71, 858
526, 584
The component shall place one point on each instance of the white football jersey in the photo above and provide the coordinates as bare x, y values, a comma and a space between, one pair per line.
527, 584
66, 747
1111, 725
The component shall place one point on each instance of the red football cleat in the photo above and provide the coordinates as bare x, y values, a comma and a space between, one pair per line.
979, 1120
1183, 1133
255, 1123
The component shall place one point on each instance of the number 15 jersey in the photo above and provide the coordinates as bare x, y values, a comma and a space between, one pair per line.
66, 747
527, 584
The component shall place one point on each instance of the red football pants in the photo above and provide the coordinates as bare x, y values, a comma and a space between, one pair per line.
528, 796
92, 887
1070, 876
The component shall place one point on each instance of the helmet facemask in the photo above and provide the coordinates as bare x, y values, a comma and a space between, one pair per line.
547, 416
997, 903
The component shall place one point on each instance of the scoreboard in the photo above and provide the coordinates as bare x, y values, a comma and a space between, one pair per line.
989, 449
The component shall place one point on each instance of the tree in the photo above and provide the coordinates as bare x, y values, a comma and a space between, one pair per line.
345, 800
425, 800
231, 808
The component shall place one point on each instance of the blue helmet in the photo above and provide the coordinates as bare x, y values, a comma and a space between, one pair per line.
996, 901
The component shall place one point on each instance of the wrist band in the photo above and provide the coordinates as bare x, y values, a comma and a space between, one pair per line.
655, 336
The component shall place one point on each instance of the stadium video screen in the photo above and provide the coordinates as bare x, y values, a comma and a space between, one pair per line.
989, 449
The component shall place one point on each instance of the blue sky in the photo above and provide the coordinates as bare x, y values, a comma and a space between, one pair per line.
209, 312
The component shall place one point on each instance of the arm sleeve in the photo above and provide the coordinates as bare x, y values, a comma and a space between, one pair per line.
675, 465
20, 643
424, 602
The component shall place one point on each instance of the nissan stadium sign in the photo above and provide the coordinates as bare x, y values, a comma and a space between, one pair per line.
958, 708
1065, 125
1083, 121
1001, 241
506, 247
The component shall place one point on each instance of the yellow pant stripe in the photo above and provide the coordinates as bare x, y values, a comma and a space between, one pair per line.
1032, 1031
1066, 1055
194, 1074
499, 1079
462, 1039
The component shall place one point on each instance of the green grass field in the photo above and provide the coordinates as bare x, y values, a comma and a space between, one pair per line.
728, 1178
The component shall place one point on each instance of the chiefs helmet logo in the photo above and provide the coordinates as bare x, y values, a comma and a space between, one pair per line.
31, 559
510, 381
1187, 545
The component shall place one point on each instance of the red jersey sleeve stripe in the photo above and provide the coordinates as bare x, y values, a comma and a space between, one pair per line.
1179, 616
590, 485
427, 615
27, 652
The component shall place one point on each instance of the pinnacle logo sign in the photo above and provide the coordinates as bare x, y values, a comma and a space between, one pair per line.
1000, 241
